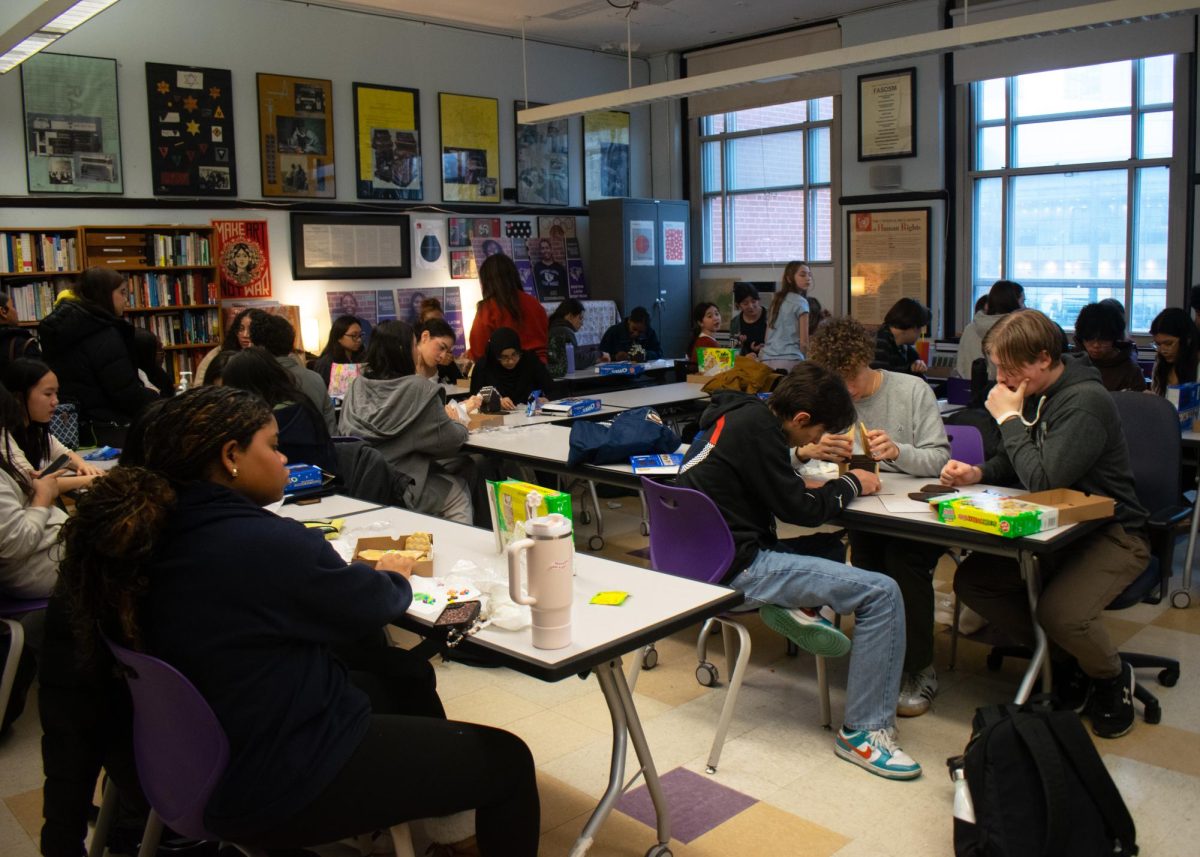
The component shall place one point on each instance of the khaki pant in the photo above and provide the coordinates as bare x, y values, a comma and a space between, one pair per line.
1082, 581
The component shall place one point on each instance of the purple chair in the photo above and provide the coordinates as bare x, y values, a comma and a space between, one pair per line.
690, 539
966, 444
958, 391
11, 609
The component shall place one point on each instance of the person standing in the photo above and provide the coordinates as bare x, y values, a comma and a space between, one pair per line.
505, 304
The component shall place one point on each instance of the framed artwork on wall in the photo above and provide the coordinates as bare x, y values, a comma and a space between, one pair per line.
295, 133
886, 115
605, 155
72, 128
387, 142
470, 127
350, 246
191, 130
543, 156
889, 258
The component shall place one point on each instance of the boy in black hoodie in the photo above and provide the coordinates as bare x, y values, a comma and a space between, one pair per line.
742, 460
1060, 429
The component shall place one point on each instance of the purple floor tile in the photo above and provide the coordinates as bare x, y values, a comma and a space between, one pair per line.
641, 553
697, 803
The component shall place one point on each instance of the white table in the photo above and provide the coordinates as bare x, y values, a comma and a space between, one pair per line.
326, 508
518, 419
592, 373
655, 397
660, 604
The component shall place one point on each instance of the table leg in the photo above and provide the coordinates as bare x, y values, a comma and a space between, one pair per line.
1039, 662
626, 726
1182, 597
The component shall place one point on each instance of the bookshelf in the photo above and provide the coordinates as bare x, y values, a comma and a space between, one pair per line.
35, 264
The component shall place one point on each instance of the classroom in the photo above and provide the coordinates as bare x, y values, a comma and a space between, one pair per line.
677, 155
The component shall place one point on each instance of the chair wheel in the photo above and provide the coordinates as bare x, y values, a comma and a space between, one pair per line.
1169, 677
707, 674
585, 517
994, 661
1152, 714
650, 658
659, 851
596, 543
1180, 599
645, 528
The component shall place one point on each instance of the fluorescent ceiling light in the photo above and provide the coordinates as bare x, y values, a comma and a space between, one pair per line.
43, 26
1091, 16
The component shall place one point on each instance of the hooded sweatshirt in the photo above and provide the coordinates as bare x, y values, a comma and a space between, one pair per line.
28, 543
405, 419
1120, 369
742, 461
970, 346
1075, 440
246, 604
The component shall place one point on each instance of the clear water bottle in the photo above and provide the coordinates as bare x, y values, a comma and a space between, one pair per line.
570, 358
185, 382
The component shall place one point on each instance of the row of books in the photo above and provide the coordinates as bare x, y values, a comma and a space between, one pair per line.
36, 252
186, 327
190, 248
183, 361
33, 301
161, 290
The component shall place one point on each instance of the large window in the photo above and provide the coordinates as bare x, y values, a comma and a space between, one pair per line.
1069, 177
765, 180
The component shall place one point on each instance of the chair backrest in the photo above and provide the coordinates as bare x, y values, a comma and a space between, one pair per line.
958, 391
20, 606
688, 536
178, 744
1151, 427
966, 444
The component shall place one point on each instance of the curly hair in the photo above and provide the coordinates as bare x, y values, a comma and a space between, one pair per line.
842, 345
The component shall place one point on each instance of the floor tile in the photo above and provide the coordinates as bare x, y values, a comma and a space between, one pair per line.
765, 829
697, 804
550, 735
491, 706
26, 808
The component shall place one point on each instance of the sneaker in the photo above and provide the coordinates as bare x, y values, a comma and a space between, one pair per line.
917, 691
1071, 686
1111, 707
807, 629
876, 751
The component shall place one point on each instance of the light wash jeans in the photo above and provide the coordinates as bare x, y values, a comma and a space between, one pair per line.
795, 580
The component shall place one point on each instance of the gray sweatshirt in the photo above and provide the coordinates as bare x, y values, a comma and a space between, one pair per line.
970, 346
904, 406
28, 543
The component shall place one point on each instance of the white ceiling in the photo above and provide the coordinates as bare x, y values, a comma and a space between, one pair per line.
656, 25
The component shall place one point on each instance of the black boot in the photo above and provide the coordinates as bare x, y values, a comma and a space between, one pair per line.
1111, 707
1071, 686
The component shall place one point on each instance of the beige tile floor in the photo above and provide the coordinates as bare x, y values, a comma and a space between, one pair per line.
809, 802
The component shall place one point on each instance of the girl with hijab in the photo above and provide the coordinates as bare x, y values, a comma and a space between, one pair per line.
516, 374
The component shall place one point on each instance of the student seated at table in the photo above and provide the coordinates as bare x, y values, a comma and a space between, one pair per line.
1060, 429
276, 334
906, 435
408, 420
345, 345
435, 351
515, 374
787, 321
742, 459
1177, 342
706, 321
565, 322
902, 326
1003, 297
1100, 334
632, 339
249, 606
748, 327
237, 337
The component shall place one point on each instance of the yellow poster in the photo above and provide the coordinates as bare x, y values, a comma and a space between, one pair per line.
295, 127
388, 142
470, 148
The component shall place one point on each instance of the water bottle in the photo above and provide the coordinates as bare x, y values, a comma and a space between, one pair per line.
549, 551
185, 382
570, 358
964, 808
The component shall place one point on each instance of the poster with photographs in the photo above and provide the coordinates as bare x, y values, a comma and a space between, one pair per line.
561, 232
243, 258
295, 130
473, 239
387, 142
543, 177
409, 301
72, 131
191, 130
605, 155
470, 148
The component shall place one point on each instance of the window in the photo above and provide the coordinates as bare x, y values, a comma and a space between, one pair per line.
1069, 186
765, 180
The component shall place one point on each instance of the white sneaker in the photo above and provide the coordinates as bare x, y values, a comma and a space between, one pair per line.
917, 691
878, 752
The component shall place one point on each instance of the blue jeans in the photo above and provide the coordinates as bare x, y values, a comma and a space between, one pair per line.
795, 580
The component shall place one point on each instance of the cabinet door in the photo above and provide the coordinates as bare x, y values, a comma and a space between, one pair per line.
674, 281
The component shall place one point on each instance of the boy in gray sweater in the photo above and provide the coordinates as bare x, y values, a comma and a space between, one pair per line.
906, 435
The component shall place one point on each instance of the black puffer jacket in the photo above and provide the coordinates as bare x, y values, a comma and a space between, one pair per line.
91, 351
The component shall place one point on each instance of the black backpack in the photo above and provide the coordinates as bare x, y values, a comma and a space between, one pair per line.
1039, 788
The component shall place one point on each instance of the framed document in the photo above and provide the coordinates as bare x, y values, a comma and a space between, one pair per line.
888, 260
350, 246
886, 110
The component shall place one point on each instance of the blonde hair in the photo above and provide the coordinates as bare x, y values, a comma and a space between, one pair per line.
1020, 338
842, 345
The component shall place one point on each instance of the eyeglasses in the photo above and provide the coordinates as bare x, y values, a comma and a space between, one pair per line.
355, 336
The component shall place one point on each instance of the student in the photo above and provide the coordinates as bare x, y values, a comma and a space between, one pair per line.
35, 389
1177, 342
906, 435
632, 339
407, 419
1004, 297
430, 308
248, 606
345, 345
564, 324
742, 460
276, 334
748, 327
148, 358
706, 321
1100, 334
515, 374
1060, 429
505, 304
902, 326
237, 337
89, 346
15, 341
816, 316
787, 322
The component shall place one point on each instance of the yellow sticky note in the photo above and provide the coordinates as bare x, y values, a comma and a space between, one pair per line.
610, 599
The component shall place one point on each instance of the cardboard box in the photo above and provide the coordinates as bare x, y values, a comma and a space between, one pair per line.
422, 567
478, 421
302, 477
571, 407
1073, 506
463, 383
1021, 514
623, 368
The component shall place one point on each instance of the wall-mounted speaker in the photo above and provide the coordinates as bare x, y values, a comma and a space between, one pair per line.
885, 176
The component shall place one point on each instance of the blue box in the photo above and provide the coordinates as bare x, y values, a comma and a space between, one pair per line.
301, 477
571, 407
623, 368
1186, 399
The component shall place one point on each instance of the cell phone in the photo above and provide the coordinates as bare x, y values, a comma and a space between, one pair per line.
458, 615
56, 465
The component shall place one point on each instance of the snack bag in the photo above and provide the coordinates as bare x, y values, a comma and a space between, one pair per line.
513, 502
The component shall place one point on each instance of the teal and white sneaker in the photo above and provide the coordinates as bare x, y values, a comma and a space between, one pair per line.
878, 752
808, 629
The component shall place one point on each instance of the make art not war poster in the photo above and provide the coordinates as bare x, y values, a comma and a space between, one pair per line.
243, 258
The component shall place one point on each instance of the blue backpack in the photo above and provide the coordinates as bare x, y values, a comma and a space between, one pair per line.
639, 431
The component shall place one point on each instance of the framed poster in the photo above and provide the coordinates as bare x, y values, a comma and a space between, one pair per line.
605, 155
72, 130
191, 130
886, 107
889, 249
387, 142
350, 246
543, 152
243, 258
470, 148
295, 136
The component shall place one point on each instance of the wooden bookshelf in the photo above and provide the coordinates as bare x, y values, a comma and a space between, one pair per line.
36, 263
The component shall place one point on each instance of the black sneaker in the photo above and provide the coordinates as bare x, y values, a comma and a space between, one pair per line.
1071, 686
1111, 707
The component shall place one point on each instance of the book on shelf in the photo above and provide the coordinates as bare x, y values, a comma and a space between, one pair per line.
153, 290
172, 250
656, 465
33, 301
36, 252
186, 327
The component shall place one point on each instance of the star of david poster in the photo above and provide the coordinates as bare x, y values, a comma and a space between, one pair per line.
191, 130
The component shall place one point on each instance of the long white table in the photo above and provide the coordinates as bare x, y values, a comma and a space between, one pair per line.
659, 605
326, 508
655, 397
518, 419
